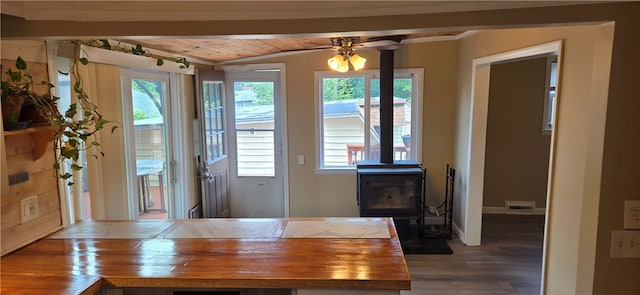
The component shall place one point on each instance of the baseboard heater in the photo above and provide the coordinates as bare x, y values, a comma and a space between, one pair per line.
519, 207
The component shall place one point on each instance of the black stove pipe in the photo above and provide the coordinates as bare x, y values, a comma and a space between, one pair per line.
386, 106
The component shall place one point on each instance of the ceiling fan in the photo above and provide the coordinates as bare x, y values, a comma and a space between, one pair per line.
345, 47
381, 42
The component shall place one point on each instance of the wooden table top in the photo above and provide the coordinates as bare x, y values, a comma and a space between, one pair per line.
336, 253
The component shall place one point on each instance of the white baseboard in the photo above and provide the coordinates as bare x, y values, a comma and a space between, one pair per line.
501, 210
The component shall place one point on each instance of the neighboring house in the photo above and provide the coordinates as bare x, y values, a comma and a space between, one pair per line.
343, 125
143, 105
254, 140
244, 98
343, 132
149, 134
149, 130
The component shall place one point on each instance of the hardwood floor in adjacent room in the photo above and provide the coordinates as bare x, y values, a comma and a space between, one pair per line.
509, 261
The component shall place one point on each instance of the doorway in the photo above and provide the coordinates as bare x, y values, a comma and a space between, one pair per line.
256, 120
518, 136
478, 137
148, 143
478, 128
518, 146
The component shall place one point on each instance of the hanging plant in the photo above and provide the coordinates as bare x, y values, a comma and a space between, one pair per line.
18, 91
182, 62
75, 130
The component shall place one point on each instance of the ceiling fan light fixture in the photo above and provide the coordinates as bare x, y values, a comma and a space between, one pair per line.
335, 61
338, 63
357, 61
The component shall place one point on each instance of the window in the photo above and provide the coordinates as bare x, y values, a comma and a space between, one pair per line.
255, 133
550, 95
349, 117
213, 119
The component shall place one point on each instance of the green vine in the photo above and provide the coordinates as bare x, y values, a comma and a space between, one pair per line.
75, 131
182, 62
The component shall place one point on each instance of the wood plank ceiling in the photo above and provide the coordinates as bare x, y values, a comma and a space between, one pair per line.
224, 50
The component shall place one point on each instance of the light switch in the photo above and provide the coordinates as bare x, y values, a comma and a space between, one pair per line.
300, 159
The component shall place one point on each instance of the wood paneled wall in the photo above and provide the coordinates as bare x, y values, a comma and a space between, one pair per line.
42, 182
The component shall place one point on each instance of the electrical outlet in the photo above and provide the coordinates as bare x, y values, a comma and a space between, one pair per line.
625, 243
29, 209
632, 214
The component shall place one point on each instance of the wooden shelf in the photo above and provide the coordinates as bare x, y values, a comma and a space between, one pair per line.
39, 135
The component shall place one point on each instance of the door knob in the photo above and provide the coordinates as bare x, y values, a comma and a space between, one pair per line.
208, 176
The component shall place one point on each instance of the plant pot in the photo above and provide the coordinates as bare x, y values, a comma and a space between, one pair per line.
39, 115
11, 108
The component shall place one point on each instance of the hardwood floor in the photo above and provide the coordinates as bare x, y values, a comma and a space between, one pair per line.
509, 261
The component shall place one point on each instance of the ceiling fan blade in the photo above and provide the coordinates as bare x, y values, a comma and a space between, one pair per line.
328, 46
320, 48
376, 44
381, 42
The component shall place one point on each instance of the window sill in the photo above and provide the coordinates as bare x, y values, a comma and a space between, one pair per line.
335, 171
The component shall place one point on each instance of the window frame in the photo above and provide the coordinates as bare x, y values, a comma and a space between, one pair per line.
550, 95
221, 131
417, 76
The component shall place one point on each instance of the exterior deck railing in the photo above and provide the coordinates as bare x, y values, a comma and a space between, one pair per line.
355, 152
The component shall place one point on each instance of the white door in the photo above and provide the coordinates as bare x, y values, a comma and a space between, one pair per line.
256, 124
147, 138
213, 163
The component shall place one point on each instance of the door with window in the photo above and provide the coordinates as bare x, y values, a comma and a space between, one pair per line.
255, 143
148, 138
213, 164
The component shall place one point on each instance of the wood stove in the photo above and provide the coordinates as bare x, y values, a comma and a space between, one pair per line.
394, 190
390, 188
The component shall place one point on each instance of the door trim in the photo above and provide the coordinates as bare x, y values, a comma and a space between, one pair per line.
478, 132
478, 136
283, 110
183, 153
